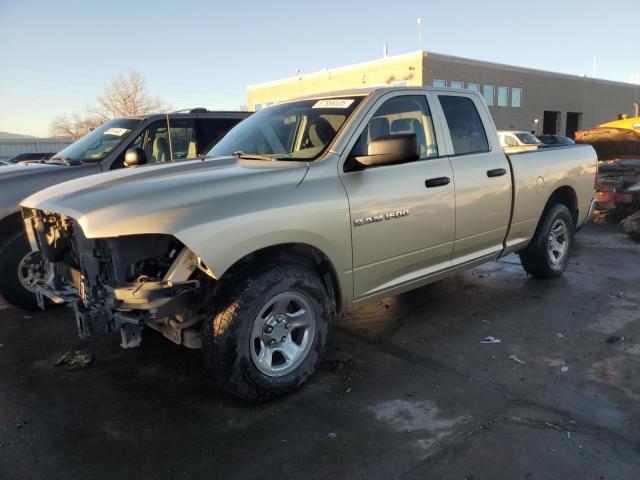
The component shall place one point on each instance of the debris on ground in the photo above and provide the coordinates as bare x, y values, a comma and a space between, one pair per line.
337, 361
616, 339
75, 357
490, 339
559, 334
631, 226
517, 360
564, 369
332, 435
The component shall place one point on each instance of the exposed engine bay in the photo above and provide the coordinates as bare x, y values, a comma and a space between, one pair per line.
120, 284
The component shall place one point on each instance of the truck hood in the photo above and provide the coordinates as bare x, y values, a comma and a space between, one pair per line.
20, 180
165, 198
16, 170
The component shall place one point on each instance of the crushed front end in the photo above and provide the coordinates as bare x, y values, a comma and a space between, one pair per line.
120, 284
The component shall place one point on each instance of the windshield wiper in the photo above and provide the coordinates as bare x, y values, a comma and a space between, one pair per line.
63, 160
252, 156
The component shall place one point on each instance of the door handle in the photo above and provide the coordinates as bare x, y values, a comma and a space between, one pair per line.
496, 172
437, 182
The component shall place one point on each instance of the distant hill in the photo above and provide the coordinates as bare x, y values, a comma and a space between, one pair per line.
13, 136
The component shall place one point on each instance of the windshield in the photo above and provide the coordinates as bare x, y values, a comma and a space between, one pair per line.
528, 138
97, 144
292, 131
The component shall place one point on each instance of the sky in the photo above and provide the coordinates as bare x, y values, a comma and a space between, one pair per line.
56, 56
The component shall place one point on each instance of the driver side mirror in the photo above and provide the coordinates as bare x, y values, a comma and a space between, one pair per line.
389, 150
134, 156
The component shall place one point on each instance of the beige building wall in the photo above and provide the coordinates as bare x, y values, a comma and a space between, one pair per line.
398, 70
596, 101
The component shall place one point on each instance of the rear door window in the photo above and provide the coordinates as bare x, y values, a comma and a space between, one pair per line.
214, 129
465, 126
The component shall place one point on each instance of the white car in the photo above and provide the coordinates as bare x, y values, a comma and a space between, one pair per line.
518, 141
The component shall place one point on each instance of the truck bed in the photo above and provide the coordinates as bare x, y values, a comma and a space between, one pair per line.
536, 177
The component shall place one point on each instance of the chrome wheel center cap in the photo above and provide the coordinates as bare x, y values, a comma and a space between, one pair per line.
276, 329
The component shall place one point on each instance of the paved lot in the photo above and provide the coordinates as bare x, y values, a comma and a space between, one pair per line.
408, 390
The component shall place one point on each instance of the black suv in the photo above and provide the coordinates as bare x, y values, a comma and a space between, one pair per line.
146, 139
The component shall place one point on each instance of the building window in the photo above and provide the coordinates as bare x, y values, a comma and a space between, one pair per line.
455, 84
440, 83
516, 97
488, 94
503, 96
474, 86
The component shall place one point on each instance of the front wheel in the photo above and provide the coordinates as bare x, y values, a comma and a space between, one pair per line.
17, 262
547, 255
268, 331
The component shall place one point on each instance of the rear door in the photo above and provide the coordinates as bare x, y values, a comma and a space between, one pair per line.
482, 177
402, 215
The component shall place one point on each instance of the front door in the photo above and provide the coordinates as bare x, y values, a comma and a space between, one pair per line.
402, 215
482, 179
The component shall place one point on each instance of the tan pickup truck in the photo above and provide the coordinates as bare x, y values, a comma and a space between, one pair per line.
302, 211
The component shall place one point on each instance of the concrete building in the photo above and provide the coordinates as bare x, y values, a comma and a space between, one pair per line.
519, 98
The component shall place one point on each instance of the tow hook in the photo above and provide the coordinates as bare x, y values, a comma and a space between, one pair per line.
131, 335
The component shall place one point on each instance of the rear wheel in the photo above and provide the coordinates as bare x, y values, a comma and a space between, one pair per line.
547, 255
268, 331
17, 261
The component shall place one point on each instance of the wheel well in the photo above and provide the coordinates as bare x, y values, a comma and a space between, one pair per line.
294, 253
566, 196
10, 224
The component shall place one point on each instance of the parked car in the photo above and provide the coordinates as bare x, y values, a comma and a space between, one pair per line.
307, 209
517, 141
30, 157
146, 138
555, 140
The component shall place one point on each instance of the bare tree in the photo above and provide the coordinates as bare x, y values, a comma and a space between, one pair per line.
125, 95
75, 125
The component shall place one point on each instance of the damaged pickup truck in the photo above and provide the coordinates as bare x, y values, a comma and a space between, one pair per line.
305, 210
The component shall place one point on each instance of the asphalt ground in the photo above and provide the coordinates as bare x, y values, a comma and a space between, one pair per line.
408, 389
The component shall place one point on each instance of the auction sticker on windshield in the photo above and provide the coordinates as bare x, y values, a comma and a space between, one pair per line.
334, 103
116, 132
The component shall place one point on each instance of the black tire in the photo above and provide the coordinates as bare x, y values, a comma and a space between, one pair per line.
12, 251
536, 259
227, 335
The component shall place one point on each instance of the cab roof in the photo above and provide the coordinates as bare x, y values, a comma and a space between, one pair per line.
193, 112
366, 91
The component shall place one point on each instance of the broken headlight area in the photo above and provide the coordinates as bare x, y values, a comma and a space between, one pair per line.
123, 283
